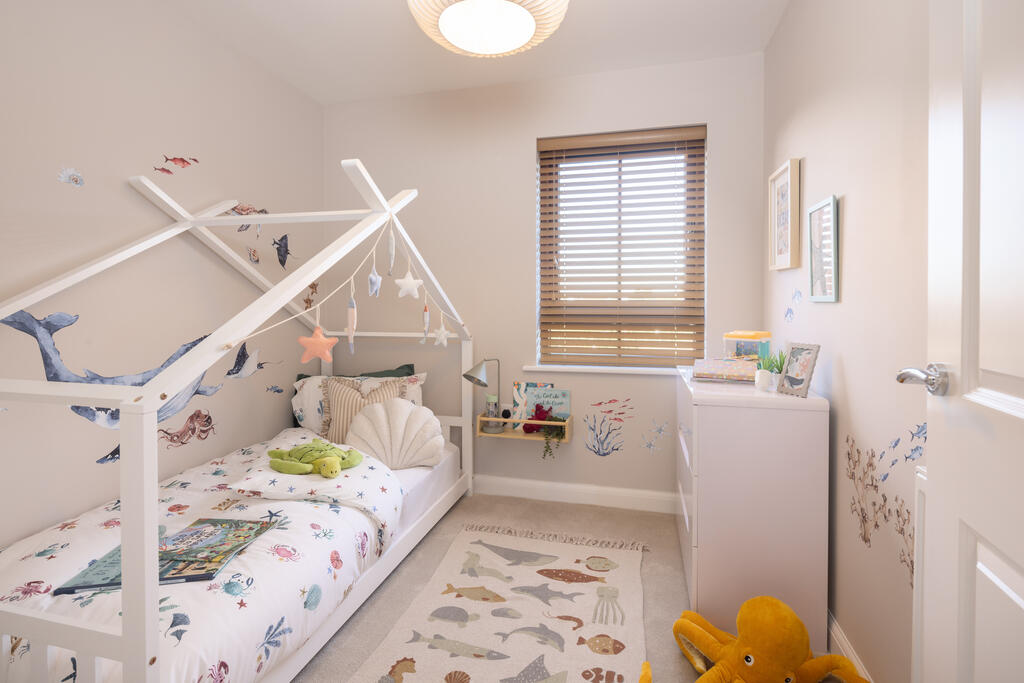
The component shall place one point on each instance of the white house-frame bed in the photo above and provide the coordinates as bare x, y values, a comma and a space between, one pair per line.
136, 643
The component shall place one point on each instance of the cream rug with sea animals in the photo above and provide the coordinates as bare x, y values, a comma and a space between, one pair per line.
517, 606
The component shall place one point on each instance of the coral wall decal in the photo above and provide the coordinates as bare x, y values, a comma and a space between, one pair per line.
604, 437
905, 530
868, 505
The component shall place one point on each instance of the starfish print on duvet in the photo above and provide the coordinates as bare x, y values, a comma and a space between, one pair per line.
257, 598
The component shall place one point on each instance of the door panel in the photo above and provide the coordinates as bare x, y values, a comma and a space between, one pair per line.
1001, 239
970, 623
998, 625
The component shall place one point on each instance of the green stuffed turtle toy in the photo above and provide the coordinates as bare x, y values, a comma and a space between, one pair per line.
321, 457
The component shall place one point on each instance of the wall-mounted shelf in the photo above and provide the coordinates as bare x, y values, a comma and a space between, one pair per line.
510, 433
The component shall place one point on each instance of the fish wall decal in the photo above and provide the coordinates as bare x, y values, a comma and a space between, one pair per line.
245, 365
282, 249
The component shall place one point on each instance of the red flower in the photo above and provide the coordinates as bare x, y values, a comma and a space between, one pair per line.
539, 413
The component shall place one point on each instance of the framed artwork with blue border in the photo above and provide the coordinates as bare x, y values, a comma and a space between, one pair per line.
823, 249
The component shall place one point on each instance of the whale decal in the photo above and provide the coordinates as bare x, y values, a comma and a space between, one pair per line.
56, 371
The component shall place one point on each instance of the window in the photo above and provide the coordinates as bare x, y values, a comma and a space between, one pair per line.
621, 248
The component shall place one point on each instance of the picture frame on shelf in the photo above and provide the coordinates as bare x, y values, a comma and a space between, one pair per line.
823, 250
784, 216
799, 369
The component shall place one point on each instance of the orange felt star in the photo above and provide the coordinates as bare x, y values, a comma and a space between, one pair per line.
317, 346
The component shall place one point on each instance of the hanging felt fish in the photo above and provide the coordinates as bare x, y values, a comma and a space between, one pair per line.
282, 249
245, 364
375, 281
426, 324
351, 325
254, 255
165, 171
391, 250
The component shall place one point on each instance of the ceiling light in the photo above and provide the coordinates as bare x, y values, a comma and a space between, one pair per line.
488, 28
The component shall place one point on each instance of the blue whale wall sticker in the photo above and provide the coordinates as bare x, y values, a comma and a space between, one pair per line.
43, 330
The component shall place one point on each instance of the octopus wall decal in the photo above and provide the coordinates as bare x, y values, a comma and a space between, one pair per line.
198, 425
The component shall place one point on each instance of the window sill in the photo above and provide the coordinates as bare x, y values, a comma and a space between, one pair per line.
601, 369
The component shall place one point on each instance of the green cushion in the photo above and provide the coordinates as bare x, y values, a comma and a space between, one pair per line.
407, 370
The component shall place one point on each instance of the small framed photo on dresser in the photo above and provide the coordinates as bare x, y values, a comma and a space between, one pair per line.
798, 370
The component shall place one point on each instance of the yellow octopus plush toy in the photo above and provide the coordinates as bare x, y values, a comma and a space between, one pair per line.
772, 646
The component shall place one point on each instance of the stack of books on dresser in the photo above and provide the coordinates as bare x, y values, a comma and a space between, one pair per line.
724, 369
196, 553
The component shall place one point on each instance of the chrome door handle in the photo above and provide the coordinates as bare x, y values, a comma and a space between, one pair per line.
934, 377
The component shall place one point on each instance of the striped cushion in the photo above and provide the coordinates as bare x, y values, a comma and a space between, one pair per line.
347, 396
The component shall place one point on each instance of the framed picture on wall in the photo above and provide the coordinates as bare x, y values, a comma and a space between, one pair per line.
784, 216
798, 370
823, 247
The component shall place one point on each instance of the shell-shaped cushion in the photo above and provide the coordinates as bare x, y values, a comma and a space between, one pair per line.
398, 433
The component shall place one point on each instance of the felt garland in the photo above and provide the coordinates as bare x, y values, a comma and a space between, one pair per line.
319, 346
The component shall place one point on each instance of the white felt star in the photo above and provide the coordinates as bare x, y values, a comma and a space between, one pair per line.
441, 334
408, 286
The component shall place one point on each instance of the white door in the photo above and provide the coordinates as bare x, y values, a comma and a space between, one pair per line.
971, 608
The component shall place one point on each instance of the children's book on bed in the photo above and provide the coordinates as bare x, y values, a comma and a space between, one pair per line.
196, 553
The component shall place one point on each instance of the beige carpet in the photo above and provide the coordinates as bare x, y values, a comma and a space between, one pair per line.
661, 572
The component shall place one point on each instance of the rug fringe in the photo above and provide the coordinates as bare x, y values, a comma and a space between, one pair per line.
571, 539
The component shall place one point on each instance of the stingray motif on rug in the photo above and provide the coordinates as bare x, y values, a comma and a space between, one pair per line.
515, 606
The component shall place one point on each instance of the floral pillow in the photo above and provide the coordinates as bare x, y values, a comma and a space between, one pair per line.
310, 406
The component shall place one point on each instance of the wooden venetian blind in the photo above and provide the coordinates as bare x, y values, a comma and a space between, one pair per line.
621, 248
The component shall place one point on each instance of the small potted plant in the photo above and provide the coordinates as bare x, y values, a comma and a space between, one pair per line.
769, 368
554, 432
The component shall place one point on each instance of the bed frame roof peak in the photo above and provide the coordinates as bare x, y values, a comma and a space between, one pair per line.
154, 393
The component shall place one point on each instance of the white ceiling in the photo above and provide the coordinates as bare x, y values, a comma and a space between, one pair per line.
344, 50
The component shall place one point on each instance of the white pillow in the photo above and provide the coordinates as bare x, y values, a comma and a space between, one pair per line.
398, 433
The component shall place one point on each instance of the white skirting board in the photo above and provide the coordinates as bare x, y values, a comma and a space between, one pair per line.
839, 644
586, 494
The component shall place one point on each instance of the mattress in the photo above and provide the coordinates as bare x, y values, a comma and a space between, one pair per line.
424, 486
266, 603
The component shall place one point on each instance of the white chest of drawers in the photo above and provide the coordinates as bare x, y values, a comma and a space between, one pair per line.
752, 474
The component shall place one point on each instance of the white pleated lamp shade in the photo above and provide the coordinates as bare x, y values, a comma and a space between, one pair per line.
488, 28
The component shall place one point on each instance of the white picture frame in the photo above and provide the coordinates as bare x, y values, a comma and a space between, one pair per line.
784, 216
799, 369
823, 250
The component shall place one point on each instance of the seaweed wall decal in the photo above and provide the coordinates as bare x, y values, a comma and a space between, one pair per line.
603, 438
868, 505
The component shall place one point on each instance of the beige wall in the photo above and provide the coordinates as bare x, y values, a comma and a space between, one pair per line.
109, 88
846, 92
472, 155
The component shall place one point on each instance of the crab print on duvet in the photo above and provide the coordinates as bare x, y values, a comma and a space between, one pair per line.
257, 598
